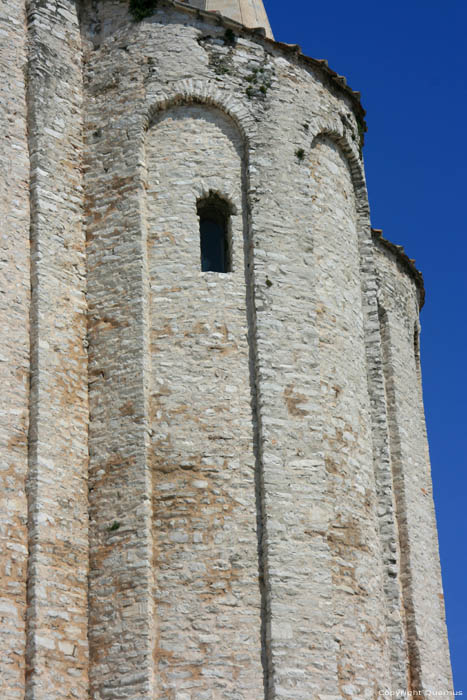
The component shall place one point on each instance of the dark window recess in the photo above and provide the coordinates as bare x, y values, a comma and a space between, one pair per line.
214, 215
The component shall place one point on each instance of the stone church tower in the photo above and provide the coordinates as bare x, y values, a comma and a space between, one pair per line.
214, 467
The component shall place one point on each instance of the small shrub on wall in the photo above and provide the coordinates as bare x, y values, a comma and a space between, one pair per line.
139, 9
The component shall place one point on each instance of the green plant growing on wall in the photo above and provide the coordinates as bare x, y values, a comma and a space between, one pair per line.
220, 60
229, 37
221, 66
300, 154
139, 9
259, 82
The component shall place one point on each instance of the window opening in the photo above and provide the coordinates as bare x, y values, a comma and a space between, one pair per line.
214, 219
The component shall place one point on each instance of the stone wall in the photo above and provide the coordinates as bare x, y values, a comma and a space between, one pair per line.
422, 596
284, 343
352, 534
121, 581
260, 514
208, 598
14, 354
56, 654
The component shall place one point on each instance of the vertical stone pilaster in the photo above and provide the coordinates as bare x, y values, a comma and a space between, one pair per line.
14, 354
296, 510
358, 611
387, 520
56, 654
428, 651
121, 608
203, 448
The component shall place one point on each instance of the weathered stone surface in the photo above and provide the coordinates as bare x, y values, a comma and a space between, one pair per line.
56, 622
418, 547
260, 513
14, 351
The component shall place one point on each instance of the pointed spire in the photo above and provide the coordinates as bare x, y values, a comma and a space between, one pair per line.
251, 13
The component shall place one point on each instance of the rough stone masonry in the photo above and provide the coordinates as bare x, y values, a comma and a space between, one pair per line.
215, 485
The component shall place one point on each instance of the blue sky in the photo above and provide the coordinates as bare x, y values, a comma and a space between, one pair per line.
409, 61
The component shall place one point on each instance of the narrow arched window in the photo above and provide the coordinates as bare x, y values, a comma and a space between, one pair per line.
214, 218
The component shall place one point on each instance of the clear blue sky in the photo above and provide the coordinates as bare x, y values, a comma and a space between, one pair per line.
409, 61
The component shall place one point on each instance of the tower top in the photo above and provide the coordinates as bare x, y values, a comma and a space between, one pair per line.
251, 13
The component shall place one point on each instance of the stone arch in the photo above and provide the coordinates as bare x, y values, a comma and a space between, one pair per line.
214, 180
202, 96
206, 193
339, 137
203, 92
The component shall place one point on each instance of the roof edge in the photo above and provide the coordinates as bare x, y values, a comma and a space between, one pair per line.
407, 263
292, 49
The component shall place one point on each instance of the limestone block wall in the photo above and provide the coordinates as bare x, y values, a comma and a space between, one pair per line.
207, 595
14, 354
258, 491
283, 487
121, 579
297, 557
310, 395
386, 507
56, 621
44, 613
422, 597
352, 531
